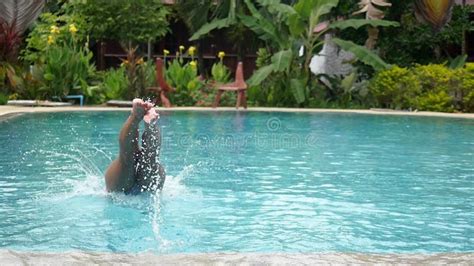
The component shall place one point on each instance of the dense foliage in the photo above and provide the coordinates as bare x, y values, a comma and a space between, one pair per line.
137, 21
390, 68
416, 43
425, 87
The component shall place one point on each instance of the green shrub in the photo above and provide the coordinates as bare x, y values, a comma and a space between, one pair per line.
395, 88
220, 73
468, 102
434, 77
53, 30
3, 99
114, 84
467, 76
66, 69
437, 101
433, 88
439, 86
184, 78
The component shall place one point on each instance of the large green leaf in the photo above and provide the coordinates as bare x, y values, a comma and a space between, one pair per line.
296, 25
308, 14
275, 7
348, 82
206, 28
282, 60
357, 23
298, 90
265, 31
458, 62
363, 54
263, 27
260, 75
194, 13
305, 8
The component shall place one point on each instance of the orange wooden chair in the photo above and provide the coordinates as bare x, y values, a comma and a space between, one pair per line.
163, 87
239, 86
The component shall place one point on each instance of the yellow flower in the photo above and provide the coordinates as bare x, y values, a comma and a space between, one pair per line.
54, 29
181, 48
221, 55
193, 64
50, 39
124, 63
140, 61
72, 28
166, 52
191, 50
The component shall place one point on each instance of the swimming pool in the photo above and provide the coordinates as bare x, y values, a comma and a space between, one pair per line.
243, 182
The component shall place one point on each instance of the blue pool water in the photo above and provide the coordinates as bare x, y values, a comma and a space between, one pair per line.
246, 182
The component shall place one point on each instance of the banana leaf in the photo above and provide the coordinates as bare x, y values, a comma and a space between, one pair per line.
205, 29
298, 90
458, 62
357, 23
363, 54
282, 60
260, 75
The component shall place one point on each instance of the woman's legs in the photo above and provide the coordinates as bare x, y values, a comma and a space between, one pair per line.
151, 175
120, 175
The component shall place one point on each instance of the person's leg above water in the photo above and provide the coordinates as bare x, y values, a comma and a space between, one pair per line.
151, 174
120, 175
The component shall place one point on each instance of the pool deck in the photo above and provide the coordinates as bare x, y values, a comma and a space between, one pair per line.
8, 257
7, 110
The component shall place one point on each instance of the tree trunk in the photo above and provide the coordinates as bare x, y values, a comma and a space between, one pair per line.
149, 50
201, 67
463, 44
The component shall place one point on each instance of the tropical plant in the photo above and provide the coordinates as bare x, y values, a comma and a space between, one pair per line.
15, 17
218, 17
184, 78
434, 12
130, 22
225, 14
343, 91
287, 28
53, 29
220, 73
3, 99
65, 70
395, 88
114, 84
428, 46
371, 10
431, 87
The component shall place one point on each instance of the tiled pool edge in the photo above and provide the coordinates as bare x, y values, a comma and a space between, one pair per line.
8, 110
8, 257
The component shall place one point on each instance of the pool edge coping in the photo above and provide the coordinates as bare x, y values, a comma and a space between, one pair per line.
9, 110
235, 258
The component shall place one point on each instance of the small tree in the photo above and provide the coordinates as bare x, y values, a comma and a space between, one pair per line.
129, 22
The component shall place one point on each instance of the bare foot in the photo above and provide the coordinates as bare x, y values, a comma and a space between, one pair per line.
151, 116
139, 108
